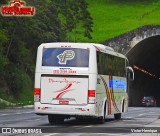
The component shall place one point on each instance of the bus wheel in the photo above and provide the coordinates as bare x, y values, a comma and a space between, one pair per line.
123, 107
117, 116
102, 118
53, 119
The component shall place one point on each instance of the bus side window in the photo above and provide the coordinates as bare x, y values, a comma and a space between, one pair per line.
99, 63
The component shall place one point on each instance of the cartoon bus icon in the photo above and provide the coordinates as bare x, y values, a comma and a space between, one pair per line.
17, 3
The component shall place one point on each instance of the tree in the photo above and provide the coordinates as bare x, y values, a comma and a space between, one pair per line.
87, 19
20, 36
74, 17
19, 39
3, 41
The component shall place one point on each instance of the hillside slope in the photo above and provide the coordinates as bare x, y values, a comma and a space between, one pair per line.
114, 17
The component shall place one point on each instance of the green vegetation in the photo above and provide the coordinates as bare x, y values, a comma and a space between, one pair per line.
75, 18
115, 17
2, 105
20, 37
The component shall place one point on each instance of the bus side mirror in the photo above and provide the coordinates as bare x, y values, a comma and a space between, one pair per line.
130, 73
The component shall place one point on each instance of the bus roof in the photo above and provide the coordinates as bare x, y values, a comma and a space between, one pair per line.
99, 47
107, 49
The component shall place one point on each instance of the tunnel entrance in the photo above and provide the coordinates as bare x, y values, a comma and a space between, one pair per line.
145, 59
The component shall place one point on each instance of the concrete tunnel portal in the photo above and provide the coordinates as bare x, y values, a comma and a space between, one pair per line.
144, 57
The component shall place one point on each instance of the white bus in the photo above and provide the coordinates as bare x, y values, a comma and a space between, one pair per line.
80, 80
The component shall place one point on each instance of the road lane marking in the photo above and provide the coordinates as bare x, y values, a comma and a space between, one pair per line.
127, 117
89, 126
111, 134
151, 125
51, 134
18, 113
82, 127
151, 112
76, 126
3, 114
38, 119
140, 114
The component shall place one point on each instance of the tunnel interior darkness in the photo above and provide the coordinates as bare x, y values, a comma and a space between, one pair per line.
145, 58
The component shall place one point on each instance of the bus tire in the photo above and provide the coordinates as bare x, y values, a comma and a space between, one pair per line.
117, 116
102, 118
53, 119
123, 107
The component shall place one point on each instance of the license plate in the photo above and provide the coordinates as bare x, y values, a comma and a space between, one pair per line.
63, 102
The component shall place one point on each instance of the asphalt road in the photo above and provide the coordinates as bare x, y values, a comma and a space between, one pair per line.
137, 118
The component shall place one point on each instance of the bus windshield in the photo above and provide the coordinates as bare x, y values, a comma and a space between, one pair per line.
65, 57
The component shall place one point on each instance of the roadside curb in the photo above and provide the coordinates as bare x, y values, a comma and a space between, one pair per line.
19, 107
14, 104
26, 106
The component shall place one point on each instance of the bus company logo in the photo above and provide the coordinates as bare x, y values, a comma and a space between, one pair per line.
17, 8
65, 56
